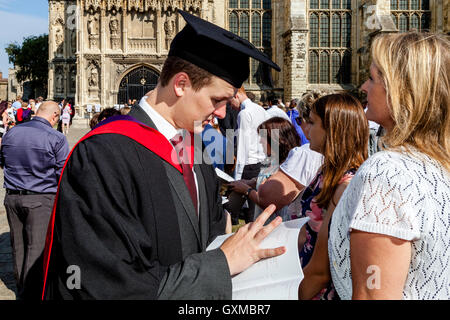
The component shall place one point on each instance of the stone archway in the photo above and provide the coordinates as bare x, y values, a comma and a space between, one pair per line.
136, 83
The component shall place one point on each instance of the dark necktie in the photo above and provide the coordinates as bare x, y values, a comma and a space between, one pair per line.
188, 175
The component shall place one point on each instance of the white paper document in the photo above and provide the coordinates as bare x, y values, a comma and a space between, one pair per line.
222, 175
274, 278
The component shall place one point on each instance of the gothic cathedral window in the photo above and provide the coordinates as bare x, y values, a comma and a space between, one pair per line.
252, 20
330, 25
411, 15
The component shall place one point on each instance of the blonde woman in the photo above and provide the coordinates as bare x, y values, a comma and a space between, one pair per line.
389, 235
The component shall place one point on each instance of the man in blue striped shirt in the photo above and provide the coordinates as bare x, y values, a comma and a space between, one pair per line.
32, 156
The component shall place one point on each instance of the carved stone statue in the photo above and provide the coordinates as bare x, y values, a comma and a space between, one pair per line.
93, 78
59, 40
73, 76
73, 42
114, 26
92, 25
169, 29
59, 81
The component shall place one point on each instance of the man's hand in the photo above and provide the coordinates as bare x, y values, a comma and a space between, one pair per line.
238, 186
242, 249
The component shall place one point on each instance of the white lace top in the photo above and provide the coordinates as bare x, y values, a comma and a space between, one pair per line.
406, 196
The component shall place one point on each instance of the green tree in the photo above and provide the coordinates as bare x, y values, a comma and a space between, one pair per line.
31, 60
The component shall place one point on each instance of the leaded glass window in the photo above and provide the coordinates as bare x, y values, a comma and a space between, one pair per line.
336, 4
244, 26
346, 67
411, 14
313, 67
330, 33
336, 66
324, 4
346, 29
347, 4
255, 73
252, 20
336, 29
403, 23
324, 67
425, 21
244, 4
324, 30
314, 30
256, 29
256, 4
394, 5
267, 29
403, 5
234, 22
414, 22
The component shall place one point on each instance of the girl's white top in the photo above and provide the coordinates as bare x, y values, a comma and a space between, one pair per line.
403, 195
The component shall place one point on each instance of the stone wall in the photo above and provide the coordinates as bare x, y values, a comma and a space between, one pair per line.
3, 88
95, 43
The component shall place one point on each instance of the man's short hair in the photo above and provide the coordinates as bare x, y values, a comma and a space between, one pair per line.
173, 65
273, 99
251, 96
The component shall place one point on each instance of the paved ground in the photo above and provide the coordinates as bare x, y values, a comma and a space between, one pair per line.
7, 280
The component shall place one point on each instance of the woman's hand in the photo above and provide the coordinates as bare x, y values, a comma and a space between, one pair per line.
239, 187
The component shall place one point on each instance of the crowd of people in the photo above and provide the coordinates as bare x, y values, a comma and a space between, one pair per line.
372, 175
20, 111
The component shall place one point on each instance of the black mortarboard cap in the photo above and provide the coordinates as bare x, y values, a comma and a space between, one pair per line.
216, 50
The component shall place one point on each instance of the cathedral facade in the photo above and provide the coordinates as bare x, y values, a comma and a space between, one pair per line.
106, 52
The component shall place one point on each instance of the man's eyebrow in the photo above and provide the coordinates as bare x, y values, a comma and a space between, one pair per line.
220, 98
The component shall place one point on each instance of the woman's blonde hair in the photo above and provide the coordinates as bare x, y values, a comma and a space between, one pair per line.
415, 68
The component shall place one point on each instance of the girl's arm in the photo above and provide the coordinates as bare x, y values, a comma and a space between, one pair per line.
317, 271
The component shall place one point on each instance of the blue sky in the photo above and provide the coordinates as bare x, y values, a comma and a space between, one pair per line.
20, 19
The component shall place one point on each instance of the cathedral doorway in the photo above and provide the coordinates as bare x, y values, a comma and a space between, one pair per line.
136, 84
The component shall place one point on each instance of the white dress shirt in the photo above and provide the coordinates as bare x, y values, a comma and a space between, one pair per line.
167, 130
249, 146
274, 111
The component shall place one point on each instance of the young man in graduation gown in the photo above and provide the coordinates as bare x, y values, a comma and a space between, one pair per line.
132, 222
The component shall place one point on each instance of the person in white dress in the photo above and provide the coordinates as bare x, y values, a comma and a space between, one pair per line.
389, 234
66, 118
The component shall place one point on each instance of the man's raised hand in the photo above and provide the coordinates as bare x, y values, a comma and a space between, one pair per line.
242, 249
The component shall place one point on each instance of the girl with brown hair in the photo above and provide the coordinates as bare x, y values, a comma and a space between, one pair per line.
339, 131
278, 137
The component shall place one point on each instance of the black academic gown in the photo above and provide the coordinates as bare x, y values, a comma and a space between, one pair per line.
125, 220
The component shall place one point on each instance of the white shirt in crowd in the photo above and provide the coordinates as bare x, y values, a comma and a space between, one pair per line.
249, 147
302, 164
402, 195
167, 130
274, 111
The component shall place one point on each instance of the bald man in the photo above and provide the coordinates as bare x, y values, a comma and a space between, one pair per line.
32, 156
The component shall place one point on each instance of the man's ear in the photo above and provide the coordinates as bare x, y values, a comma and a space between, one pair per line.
180, 83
